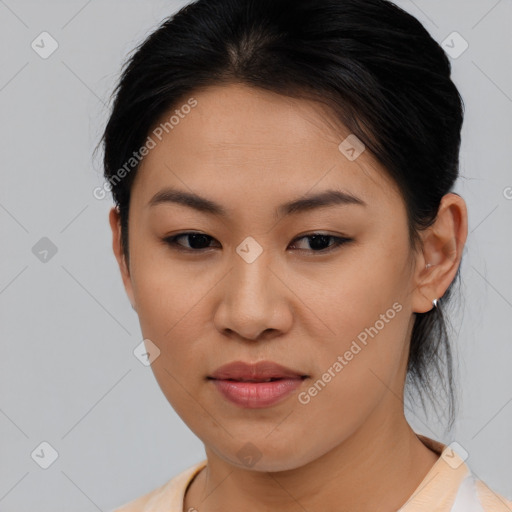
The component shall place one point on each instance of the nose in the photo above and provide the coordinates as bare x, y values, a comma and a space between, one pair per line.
254, 302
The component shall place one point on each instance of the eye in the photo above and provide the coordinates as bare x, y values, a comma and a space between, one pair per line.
198, 242
319, 242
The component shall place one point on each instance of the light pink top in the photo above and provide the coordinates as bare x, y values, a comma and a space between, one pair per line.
449, 486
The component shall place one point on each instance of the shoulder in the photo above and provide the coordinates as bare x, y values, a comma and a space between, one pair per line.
455, 471
168, 497
490, 500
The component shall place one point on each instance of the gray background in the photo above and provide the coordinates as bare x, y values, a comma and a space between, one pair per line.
68, 375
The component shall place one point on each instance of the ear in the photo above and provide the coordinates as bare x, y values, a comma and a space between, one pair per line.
443, 245
115, 224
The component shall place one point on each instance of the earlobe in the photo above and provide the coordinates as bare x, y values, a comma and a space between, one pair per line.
443, 245
115, 225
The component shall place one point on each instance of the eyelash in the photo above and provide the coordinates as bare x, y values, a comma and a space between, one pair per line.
339, 241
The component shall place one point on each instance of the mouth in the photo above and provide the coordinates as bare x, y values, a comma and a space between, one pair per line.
258, 385
272, 379
262, 371
257, 394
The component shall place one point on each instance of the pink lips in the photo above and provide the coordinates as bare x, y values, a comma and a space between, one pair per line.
256, 385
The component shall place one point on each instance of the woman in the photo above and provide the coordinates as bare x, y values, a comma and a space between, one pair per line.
287, 231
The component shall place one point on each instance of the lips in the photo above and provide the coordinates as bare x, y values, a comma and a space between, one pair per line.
256, 386
262, 371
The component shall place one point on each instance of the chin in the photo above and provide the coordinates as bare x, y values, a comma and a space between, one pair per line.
264, 456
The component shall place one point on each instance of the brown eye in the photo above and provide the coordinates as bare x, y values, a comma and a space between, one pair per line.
319, 242
197, 241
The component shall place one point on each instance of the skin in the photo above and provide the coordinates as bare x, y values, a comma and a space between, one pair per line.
350, 447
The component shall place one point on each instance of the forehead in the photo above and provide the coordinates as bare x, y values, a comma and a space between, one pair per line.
241, 142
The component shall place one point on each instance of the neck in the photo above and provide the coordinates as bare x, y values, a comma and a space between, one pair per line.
378, 467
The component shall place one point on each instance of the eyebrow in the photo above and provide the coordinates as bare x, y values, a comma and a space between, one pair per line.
307, 203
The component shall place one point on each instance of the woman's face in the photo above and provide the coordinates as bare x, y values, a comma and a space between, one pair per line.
256, 288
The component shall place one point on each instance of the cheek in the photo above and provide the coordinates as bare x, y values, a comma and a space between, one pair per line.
365, 310
355, 372
170, 307
167, 292
171, 316
352, 297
